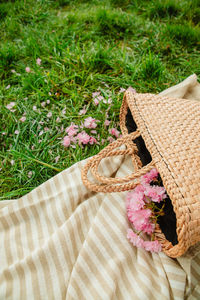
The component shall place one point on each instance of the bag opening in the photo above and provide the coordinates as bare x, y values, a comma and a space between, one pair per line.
167, 222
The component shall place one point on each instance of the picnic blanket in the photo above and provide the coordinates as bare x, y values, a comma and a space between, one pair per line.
62, 241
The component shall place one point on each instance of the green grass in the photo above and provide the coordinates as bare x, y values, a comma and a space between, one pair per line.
84, 46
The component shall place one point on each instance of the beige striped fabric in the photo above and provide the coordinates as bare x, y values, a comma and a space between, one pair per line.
62, 241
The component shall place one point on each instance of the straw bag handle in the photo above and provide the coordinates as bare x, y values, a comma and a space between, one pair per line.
117, 184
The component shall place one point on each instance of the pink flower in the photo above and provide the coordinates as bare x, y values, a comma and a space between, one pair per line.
148, 177
72, 129
107, 123
139, 218
100, 98
134, 200
38, 61
135, 239
156, 193
149, 228
93, 131
130, 89
122, 90
16, 132
49, 115
114, 132
153, 246
28, 70
22, 119
57, 120
139, 188
66, 141
95, 94
96, 101
34, 107
48, 101
10, 105
83, 138
82, 111
90, 123
8, 86
43, 104
30, 173
92, 140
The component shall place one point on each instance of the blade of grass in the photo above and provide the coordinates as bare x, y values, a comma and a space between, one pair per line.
22, 155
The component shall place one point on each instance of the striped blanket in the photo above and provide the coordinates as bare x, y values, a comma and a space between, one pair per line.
62, 241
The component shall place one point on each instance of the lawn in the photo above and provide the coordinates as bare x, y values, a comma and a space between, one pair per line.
65, 61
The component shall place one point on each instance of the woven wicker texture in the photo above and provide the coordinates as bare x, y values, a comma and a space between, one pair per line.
171, 131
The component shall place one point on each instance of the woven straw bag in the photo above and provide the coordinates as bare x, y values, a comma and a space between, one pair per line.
171, 132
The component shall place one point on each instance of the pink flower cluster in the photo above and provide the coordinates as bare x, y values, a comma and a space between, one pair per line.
140, 210
90, 123
82, 138
114, 132
97, 98
136, 240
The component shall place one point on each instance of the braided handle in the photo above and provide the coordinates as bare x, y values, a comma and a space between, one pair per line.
117, 184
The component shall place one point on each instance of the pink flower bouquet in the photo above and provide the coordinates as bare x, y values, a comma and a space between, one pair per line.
143, 212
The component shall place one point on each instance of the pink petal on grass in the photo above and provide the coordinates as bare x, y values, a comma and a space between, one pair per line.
114, 132
22, 119
57, 158
66, 141
83, 138
107, 123
12, 162
82, 111
132, 90
93, 131
72, 129
122, 90
10, 105
49, 115
30, 173
96, 102
27, 69
90, 122
38, 61
92, 140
